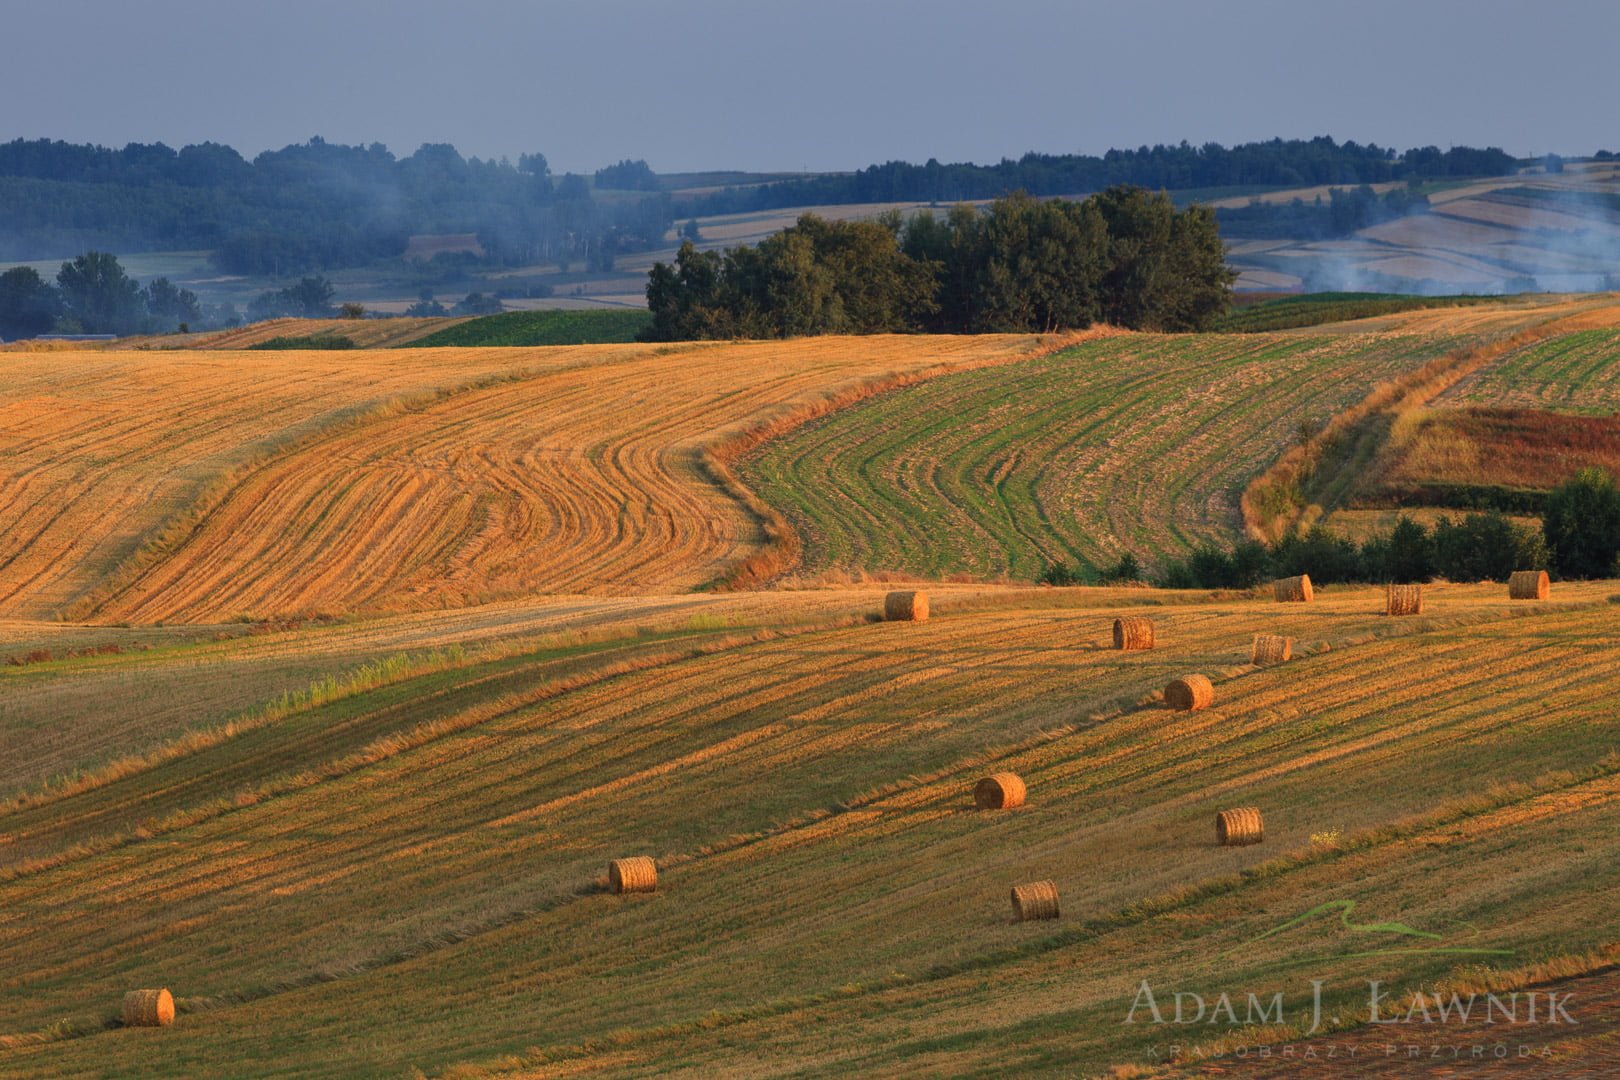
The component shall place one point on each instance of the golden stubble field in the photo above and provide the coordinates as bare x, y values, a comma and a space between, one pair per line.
374, 843
404, 872
211, 486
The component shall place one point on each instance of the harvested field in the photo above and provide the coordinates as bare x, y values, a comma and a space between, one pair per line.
1578, 372
376, 828
397, 480
98, 455
454, 821
1138, 444
365, 333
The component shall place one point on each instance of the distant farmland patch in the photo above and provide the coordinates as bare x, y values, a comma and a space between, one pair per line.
1314, 309
1500, 459
313, 341
424, 247
540, 328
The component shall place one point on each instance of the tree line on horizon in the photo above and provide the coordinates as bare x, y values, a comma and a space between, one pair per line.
1125, 256
1272, 163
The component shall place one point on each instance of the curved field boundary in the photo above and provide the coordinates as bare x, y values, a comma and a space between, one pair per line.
1321, 473
587, 473
1138, 444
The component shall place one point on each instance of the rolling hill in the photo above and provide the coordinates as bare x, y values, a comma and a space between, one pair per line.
330, 682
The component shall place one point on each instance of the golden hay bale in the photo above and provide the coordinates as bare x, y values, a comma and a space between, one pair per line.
1037, 900
1234, 828
1403, 600
905, 607
636, 874
1293, 589
999, 791
1133, 632
1271, 649
1189, 692
1529, 585
148, 1008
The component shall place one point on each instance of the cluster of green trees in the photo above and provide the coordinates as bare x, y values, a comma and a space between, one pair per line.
310, 298
474, 303
310, 207
627, 176
1579, 538
1125, 256
93, 295
1275, 163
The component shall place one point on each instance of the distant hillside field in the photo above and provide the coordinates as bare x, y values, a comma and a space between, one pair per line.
1530, 231
1138, 443
1314, 309
1477, 458
540, 328
365, 333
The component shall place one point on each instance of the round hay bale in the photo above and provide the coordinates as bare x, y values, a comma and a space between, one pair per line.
999, 791
1403, 600
1133, 632
909, 606
1271, 649
1189, 692
1529, 585
1235, 828
1293, 590
636, 874
148, 1008
1037, 900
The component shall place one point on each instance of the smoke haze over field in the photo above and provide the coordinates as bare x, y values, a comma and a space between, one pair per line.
832, 85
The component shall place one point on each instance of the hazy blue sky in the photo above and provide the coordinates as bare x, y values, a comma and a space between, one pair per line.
834, 84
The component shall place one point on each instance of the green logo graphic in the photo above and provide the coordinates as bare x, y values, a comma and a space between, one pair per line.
1396, 930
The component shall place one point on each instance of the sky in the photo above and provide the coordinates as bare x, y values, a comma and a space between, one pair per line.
785, 85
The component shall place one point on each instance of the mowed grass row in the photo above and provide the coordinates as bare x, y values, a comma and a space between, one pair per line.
1578, 372
365, 333
1138, 444
825, 883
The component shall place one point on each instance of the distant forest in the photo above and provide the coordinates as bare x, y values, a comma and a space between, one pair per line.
322, 206
1277, 163
316, 206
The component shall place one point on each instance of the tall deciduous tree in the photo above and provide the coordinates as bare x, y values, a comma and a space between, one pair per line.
1582, 525
170, 306
29, 305
1166, 270
99, 296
